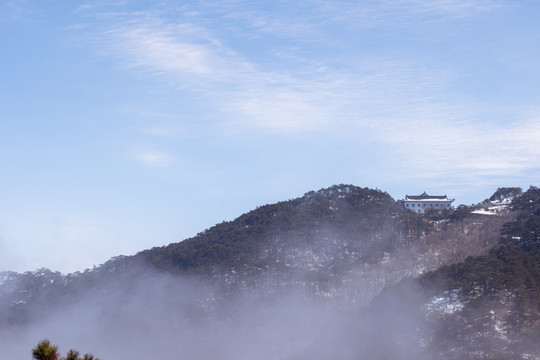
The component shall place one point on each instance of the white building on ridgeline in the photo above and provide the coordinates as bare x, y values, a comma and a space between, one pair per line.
420, 203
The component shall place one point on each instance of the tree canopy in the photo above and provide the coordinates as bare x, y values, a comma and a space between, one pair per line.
44, 350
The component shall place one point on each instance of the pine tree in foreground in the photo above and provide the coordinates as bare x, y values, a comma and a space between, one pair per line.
44, 350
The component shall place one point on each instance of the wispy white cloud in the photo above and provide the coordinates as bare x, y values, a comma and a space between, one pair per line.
282, 109
402, 102
165, 51
84, 7
438, 147
154, 158
193, 57
255, 97
199, 63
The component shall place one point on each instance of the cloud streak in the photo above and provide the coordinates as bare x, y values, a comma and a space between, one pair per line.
154, 159
406, 105
437, 147
147, 46
200, 64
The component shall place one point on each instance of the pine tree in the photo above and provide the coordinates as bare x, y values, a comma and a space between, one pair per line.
72, 355
45, 351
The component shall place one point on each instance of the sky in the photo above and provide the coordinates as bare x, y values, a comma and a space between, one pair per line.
132, 124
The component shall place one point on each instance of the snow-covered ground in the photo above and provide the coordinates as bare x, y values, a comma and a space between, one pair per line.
447, 303
495, 207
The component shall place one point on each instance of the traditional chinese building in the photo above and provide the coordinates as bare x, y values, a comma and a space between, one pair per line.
420, 203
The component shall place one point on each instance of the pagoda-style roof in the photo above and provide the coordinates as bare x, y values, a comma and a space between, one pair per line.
425, 197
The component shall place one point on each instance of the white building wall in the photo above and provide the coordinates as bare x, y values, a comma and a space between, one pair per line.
422, 206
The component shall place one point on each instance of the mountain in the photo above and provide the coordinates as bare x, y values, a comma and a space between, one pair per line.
491, 304
334, 262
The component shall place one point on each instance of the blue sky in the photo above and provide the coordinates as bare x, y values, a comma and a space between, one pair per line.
132, 124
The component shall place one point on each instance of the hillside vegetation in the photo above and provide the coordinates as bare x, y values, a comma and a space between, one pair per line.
497, 296
456, 284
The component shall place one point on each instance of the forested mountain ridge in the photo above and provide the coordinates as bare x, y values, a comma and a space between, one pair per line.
313, 236
344, 246
368, 218
326, 239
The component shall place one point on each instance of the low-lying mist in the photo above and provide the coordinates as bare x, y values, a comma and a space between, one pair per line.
171, 317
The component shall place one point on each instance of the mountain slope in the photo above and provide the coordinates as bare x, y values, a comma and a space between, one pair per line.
369, 221
312, 263
488, 307
333, 241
